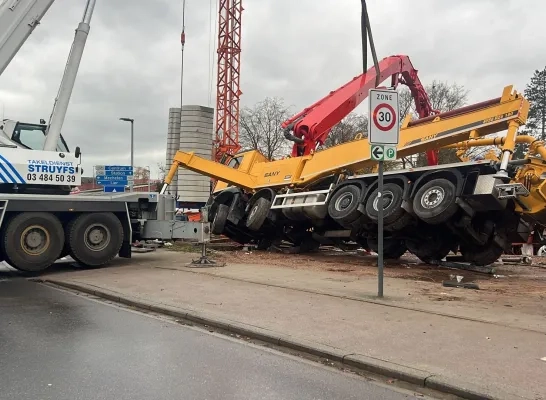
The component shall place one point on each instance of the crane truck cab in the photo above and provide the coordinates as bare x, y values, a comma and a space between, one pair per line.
27, 135
243, 161
26, 168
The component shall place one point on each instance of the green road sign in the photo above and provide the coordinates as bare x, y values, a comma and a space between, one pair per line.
377, 152
383, 152
390, 153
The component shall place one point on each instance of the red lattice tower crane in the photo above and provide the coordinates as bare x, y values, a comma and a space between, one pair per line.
229, 66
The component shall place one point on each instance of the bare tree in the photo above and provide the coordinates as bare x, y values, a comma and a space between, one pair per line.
141, 173
446, 97
443, 97
163, 170
260, 127
406, 103
347, 129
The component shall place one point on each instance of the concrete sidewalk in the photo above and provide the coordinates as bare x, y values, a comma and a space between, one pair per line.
487, 354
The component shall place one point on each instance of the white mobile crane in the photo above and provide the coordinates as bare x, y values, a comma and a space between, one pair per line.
22, 143
38, 222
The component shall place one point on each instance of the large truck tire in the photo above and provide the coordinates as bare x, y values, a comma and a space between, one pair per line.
434, 202
258, 214
220, 218
94, 238
481, 255
343, 206
430, 250
393, 249
392, 205
32, 241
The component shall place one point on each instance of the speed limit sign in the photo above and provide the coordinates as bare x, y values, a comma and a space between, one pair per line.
384, 116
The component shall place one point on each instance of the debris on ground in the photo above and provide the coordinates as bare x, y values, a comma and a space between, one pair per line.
458, 284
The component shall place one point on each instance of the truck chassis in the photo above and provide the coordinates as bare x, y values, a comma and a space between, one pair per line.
36, 230
428, 211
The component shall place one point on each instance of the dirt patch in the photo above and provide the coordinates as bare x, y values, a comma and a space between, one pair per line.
322, 261
512, 285
184, 247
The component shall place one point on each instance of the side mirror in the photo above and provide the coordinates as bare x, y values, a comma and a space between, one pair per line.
77, 152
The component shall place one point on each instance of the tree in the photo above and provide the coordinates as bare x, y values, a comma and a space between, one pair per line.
443, 97
260, 128
347, 129
446, 97
535, 92
141, 173
163, 170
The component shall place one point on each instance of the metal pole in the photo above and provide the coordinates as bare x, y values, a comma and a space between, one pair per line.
132, 153
372, 47
380, 231
182, 42
363, 29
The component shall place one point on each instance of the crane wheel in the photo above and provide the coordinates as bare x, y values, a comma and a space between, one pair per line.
258, 214
481, 255
393, 249
220, 218
32, 241
431, 249
94, 238
343, 206
392, 205
434, 202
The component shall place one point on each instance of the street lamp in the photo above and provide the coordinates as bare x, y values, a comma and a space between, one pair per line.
132, 145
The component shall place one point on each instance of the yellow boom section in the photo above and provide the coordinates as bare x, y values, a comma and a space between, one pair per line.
505, 113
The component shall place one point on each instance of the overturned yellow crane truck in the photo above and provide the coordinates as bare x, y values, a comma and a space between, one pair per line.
475, 207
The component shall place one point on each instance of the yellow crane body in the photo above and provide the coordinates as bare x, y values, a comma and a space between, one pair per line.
475, 207
256, 172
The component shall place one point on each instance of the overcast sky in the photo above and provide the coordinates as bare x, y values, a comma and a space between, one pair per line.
295, 49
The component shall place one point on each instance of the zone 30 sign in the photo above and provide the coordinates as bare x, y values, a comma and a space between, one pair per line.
384, 116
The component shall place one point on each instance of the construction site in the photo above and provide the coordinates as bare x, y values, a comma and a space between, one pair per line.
427, 281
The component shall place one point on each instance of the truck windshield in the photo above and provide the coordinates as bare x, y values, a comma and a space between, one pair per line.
234, 162
32, 136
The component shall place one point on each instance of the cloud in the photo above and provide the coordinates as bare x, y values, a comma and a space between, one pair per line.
297, 50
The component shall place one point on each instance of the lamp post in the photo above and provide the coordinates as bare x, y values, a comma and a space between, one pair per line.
131, 120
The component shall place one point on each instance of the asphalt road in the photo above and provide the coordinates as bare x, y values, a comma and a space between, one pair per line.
56, 345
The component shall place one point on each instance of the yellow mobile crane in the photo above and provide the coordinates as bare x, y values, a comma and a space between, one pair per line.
314, 197
477, 207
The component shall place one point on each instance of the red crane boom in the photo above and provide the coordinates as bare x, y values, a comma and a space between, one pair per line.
310, 128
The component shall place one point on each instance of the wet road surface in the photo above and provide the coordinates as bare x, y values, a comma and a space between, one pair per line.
56, 345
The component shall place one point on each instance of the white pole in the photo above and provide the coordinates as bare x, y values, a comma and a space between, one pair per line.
182, 42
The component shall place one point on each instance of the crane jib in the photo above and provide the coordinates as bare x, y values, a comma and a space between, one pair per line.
465, 128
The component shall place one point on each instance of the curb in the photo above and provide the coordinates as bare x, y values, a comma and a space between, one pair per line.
362, 362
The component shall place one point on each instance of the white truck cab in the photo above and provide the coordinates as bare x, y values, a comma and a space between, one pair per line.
26, 135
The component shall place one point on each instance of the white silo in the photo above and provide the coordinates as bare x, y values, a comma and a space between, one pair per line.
196, 134
173, 142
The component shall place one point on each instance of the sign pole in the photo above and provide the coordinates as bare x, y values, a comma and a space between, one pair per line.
380, 230
384, 132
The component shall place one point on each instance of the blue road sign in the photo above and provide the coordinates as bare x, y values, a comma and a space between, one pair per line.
112, 181
118, 173
114, 189
118, 168
111, 170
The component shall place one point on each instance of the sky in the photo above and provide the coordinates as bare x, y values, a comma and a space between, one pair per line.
297, 50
